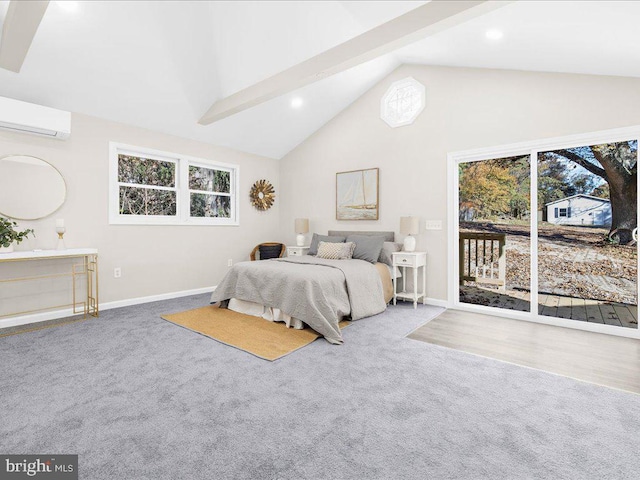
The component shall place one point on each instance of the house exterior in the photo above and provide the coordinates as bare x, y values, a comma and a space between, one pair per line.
579, 210
466, 212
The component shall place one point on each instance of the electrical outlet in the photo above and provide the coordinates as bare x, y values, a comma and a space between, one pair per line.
117, 272
433, 225
230, 262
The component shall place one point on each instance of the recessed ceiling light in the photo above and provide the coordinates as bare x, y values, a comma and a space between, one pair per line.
296, 102
494, 34
68, 6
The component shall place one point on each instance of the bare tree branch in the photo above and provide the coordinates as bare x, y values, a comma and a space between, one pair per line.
583, 163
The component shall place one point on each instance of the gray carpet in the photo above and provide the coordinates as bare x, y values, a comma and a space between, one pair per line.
140, 398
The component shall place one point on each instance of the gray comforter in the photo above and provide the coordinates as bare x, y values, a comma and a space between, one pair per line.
317, 291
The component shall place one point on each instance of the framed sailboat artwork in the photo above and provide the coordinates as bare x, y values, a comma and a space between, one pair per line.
357, 195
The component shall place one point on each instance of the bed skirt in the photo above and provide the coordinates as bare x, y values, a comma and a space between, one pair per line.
268, 313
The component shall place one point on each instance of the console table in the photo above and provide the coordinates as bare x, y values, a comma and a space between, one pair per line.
87, 266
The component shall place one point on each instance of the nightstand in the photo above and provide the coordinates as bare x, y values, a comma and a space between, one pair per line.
410, 261
297, 251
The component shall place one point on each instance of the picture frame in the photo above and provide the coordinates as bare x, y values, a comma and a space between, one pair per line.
358, 194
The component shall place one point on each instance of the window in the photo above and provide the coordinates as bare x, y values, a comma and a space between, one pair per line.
151, 187
209, 192
146, 186
562, 212
403, 102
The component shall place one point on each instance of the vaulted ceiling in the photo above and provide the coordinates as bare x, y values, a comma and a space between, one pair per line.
161, 64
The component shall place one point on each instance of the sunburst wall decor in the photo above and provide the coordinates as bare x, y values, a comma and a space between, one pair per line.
262, 195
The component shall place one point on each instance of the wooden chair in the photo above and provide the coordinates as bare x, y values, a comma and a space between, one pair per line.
268, 250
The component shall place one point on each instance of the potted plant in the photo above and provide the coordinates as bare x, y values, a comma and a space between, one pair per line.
9, 235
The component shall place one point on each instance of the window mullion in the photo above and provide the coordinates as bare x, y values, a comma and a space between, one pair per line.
183, 189
147, 186
206, 192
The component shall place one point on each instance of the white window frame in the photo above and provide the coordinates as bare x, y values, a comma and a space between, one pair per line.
183, 195
418, 102
531, 149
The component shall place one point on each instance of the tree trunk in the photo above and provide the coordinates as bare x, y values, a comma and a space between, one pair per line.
624, 206
620, 171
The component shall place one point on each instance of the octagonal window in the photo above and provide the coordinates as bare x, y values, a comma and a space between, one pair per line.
403, 102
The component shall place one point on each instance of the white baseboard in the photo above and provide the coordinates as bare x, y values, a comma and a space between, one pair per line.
436, 302
67, 312
54, 315
35, 318
155, 298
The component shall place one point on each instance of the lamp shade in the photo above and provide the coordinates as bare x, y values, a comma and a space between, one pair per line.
409, 225
302, 225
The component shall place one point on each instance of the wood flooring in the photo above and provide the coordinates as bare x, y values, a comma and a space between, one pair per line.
591, 357
580, 309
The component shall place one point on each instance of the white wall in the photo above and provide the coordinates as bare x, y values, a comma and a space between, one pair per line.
582, 210
465, 108
154, 259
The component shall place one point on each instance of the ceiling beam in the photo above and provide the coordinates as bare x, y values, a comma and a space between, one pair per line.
426, 20
20, 26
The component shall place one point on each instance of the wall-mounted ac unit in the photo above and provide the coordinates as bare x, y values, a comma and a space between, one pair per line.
23, 117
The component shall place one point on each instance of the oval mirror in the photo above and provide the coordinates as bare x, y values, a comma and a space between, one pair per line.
30, 188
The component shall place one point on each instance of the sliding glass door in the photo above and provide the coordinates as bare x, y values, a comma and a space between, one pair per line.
547, 231
587, 221
494, 241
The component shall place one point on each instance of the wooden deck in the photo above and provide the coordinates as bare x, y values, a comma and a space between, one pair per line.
579, 309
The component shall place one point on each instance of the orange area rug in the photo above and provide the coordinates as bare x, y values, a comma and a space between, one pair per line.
259, 337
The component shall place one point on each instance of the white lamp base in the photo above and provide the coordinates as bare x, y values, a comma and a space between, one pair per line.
409, 244
300, 240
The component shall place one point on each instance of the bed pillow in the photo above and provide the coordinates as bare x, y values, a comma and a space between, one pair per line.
313, 248
387, 249
367, 247
335, 251
269, 251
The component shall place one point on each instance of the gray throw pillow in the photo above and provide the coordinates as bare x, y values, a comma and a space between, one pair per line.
387, 249
313, 248
367, 247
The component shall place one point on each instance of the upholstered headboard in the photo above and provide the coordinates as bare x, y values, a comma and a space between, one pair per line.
388, 236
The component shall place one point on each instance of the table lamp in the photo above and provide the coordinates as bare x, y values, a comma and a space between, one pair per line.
302, 227
409, 226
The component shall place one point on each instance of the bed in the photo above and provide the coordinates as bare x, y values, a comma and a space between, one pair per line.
315, 291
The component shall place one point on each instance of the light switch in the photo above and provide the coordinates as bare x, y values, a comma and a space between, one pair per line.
433, 225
